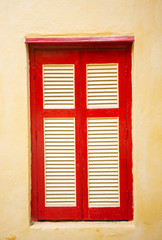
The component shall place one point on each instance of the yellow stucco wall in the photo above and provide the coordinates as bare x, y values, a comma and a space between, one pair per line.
37, 18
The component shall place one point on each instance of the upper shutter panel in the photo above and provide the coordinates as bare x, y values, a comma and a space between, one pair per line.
102, 85
58, 86
60, 183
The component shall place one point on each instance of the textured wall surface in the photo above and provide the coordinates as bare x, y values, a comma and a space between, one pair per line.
51, 18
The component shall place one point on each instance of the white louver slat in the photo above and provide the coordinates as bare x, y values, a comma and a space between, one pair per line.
60, 174
102, 85
103, 162
58, 86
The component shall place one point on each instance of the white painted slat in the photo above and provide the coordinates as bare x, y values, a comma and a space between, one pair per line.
54, 170
60, 193
102, 85
59, 155
101, 177
100, 66
61, 174
109, 70
59, 159
63, 66
100, 170
59, 133
60, 167
104, 165
100, 193
110, 158
58, 86
60, 177
97, 82
103, 162
58, 91
59, 162
103, 174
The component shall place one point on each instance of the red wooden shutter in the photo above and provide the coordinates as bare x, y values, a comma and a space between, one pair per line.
79, 112
58, 136
104, 121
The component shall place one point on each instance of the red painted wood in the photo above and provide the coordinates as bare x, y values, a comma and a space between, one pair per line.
106, 56
34, 187
80, 40
55, 57
129, 134
47, 54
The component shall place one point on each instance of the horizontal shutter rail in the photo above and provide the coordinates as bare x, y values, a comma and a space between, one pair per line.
58, 79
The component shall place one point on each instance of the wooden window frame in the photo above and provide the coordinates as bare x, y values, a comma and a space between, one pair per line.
124, 43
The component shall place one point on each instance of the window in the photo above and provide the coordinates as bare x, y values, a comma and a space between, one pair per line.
81, 130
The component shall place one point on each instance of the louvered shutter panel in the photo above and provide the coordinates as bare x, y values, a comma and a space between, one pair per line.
60, 189
58, 86
102, 85
103, 162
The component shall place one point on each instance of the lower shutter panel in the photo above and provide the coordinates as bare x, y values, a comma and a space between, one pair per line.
103, 162
59, 140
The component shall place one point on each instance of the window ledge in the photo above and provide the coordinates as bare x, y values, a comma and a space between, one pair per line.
83, 225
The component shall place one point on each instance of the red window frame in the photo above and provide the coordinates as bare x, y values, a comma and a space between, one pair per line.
72, 49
